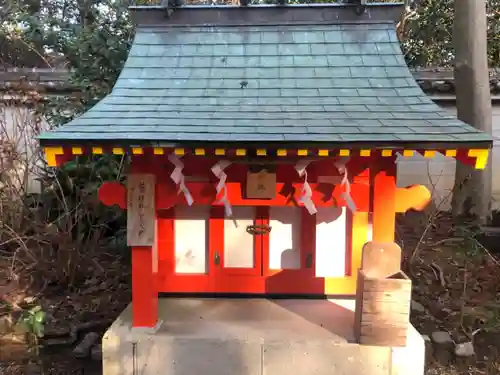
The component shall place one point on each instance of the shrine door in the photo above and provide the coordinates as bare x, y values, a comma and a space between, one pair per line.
261, 250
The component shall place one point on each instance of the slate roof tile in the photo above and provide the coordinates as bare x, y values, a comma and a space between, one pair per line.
299, 83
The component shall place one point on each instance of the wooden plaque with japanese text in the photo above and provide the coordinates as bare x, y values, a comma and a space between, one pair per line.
261, 185
140, 210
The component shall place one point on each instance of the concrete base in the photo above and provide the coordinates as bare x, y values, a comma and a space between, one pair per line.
253, 337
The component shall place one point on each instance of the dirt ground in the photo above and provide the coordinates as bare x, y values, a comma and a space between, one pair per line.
92, 307
456, 281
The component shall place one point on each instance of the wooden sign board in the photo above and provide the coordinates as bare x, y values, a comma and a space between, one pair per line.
141, 210
261, 185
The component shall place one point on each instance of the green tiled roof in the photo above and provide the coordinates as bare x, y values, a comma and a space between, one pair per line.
333, 84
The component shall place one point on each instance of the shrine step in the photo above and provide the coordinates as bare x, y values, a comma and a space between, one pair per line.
253, 337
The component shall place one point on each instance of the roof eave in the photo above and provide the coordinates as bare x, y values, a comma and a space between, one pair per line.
417, 145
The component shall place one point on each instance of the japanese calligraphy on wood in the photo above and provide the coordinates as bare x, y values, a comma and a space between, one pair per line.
261, 185
141, 210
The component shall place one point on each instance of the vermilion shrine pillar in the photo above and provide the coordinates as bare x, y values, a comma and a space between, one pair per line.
144, 288
141, 237
383, 181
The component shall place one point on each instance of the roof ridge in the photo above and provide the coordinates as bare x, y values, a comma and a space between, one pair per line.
202, 14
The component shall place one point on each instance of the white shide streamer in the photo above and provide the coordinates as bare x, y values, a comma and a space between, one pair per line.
306, 198
178, 178
218, 171
342, 169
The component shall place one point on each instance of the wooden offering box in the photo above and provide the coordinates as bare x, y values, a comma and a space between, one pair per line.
382, 309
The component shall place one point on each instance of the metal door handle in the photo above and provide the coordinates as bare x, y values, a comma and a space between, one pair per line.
258, 229
309, 260
216, 258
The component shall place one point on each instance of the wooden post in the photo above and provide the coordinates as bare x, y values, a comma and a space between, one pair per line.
383, 179
141, 229
472, 189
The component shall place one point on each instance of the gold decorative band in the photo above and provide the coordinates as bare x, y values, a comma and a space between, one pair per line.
479, 155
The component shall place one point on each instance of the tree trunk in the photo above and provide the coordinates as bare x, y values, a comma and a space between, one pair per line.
472, 189
86, 12
33, 6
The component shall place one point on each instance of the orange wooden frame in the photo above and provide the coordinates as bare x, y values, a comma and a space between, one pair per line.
373, 190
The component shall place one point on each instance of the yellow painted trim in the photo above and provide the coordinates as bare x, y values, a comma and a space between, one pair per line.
386, 153
51, 155
137, 150
158, 151
408, 153
97, 150
302, 152
323, 152
365, 153
344, 152
429, 154
179, 151
281, 152
340, 285
262, 152
199, 152
360, 227
451, 153
241, 152
481, 157
118, 151
77, 150
220, 152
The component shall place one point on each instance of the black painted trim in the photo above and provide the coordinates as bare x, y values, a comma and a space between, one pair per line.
254, 296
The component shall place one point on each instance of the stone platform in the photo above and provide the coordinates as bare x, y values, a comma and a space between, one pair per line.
253, 337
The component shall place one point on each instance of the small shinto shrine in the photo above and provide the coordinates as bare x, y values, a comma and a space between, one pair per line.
262, 144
